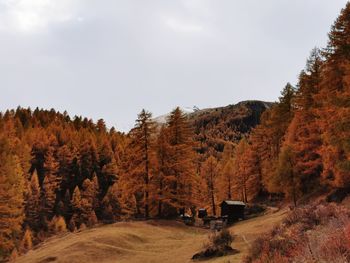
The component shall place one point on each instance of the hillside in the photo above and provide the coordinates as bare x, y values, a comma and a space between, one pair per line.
215, 127
152, 241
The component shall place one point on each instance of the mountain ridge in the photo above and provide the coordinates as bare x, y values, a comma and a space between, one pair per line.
195, 111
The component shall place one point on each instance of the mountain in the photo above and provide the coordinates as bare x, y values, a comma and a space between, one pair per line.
163, 118
215, 127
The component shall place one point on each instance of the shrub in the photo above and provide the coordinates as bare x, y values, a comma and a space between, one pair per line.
219, 245
254, 210
71, 225
82, 227
92, 219
27, 242
313, 233
58, 225
14, 255
222, 240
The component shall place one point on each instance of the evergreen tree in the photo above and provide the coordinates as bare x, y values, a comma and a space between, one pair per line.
76, 205
111, 204
210, 174
142, 143
96, 193
246, 171
334, 97
32, 208
27, 241
226, 170
50, 185
65, 156
11, 200
180, 177
268, 137
47, 200
162, 157
67, 206
286, 178
227, 179
87, 199
303, 133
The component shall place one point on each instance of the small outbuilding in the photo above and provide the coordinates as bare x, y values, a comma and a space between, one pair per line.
232, 210
202, 212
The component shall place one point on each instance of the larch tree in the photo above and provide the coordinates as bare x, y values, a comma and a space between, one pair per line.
181, 175
50, 186
32, 208
64, 153
268, 137
76, 207
111, 204
11, 200
246, 169
227, 179
96, 193
87, 199
286, 177
303, 134
210, 172
141, 162
334, 112
226, 170
47, 201
162, 168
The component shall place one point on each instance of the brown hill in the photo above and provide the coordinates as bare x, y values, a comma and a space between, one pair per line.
218, 126
152, 241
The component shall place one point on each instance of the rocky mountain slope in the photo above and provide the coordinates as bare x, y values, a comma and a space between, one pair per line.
215, 127
220, 125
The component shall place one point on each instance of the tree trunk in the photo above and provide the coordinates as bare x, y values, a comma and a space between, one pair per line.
147, 176
229, 189
213, 202
160, 201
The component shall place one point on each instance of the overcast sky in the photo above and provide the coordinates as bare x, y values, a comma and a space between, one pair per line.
109, 58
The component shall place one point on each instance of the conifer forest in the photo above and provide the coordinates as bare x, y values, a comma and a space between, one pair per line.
62, 173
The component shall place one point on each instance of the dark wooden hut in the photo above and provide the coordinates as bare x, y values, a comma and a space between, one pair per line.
232, 210
202, 212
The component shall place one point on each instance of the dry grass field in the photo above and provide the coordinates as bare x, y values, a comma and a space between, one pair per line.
146, 242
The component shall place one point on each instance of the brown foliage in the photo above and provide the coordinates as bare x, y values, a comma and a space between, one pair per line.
313, 233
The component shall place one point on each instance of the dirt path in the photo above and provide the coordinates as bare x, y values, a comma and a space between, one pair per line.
146, 242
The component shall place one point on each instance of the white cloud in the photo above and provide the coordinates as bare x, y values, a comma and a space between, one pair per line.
181, 26
34, 15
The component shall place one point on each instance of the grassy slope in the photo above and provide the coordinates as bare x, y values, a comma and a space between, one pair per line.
144, 242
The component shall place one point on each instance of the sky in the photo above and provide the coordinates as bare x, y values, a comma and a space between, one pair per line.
111, 58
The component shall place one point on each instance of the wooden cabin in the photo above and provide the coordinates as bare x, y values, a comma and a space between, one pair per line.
202, 212
232, 210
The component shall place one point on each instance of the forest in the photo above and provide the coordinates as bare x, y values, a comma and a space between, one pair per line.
59, 173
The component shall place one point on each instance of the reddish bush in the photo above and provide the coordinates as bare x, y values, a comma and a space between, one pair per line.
313, 233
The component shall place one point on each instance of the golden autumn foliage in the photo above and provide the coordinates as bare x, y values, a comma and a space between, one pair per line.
56, 169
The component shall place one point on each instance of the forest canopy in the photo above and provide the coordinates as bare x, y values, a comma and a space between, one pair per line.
59, 173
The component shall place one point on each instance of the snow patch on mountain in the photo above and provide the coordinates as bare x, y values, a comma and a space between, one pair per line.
163, 118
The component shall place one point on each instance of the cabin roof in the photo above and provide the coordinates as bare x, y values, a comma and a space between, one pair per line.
232, 202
